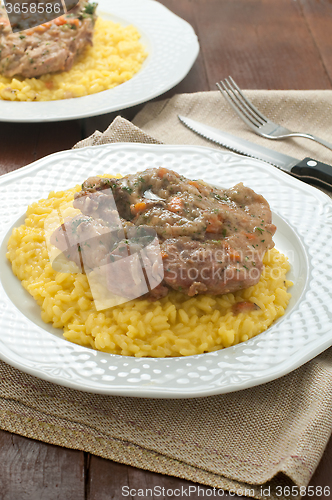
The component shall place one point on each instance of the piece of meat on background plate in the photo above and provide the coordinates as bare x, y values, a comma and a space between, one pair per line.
46, 48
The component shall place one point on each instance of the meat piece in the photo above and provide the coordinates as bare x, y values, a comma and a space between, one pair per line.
50, 47
212, 240
196, 267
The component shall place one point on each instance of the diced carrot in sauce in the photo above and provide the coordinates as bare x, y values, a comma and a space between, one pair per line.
139, 207
49, 84
244, 307
162, 171
76, 22
40, 29
213, 225
176, 204
234, 255
195, 184
59, 21
164, 255
212, 228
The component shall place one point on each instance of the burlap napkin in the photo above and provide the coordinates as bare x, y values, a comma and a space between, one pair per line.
253, 442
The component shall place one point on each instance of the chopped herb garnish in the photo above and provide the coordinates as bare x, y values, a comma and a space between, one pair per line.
90, 8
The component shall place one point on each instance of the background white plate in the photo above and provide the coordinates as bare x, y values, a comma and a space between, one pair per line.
303, 216
172, 46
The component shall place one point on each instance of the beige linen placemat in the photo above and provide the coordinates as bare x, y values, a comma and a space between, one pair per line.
252, 441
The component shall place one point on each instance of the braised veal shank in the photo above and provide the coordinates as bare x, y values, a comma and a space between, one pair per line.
212, 240
50, 47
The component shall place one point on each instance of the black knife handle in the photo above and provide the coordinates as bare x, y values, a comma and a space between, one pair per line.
315, 170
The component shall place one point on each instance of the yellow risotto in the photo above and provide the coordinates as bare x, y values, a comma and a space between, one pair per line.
115, 57
173, 326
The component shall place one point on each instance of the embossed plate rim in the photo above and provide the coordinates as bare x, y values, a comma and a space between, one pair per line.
38, 352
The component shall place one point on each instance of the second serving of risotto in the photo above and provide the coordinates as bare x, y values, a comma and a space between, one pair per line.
74, 55
239, 287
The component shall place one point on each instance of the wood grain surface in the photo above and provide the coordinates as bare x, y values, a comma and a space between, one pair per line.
266, 44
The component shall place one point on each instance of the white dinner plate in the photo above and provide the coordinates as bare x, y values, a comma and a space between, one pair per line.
172, 48
303, 216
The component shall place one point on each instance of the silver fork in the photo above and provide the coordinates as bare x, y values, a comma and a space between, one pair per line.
255, 119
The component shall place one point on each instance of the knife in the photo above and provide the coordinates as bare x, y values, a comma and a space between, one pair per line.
308, 169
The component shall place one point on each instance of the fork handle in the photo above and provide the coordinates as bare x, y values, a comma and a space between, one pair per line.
313, 170
311, 137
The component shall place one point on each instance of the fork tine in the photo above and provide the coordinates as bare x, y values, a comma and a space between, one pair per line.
249, 104
237, 106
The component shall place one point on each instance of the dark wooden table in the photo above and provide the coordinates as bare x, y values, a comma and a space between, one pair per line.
263, 44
